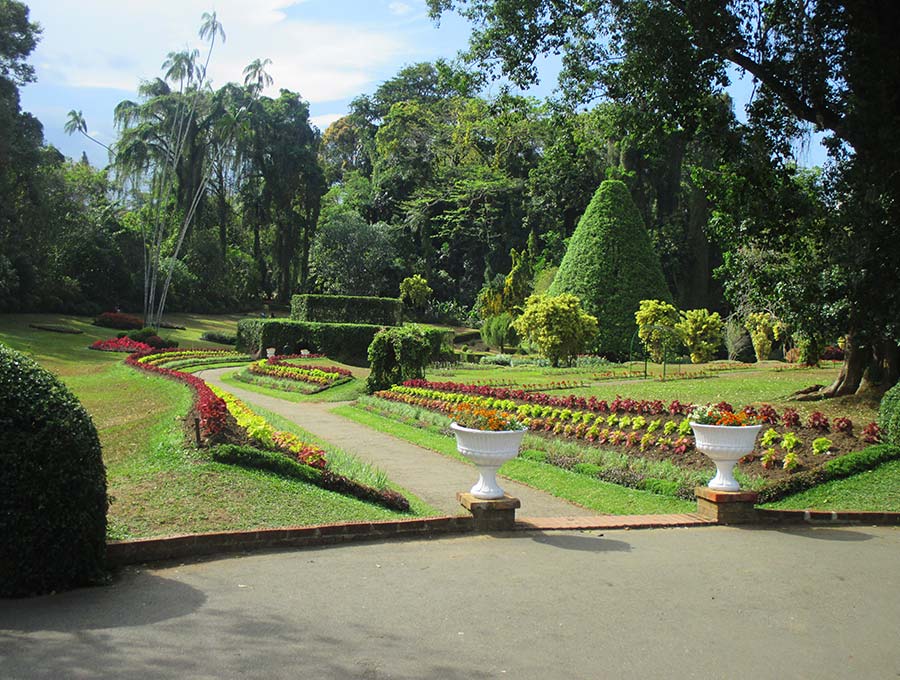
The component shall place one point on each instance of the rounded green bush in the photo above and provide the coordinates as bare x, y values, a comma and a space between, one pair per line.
889, 416
53, 498
611, 266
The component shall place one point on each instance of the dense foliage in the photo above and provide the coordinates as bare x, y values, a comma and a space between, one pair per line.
398, 354
825, 65
611, 266
889, 416
52, 484
346, 309
557, 326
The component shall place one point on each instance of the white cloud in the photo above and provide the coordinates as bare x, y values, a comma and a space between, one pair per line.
399, 8
116, 43
324, 120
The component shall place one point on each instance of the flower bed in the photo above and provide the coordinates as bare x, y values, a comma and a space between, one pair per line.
320, 376
260, 431
211, 410
124, 344
651, 428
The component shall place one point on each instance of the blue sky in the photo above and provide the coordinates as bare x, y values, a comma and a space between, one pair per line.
94, 53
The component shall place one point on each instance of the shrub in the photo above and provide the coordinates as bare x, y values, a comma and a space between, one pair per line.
611, 266
398, 354
860, 461
346, 309
737, 342
701, 333
345, 342
832, 353
496, 360
656, 322
52, 484
119, 321
889, 416
221, 338
557, 326
498, 332
270, 461
761, 326
415, 291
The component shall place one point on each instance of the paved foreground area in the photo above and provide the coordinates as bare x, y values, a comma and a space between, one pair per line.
430, 476
713, 602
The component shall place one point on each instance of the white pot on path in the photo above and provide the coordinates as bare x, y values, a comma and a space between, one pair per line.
488, 450
725, 445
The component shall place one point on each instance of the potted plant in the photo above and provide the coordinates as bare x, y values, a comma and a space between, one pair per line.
488, 438
725, 437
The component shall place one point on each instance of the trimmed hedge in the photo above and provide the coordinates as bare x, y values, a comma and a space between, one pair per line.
53, 498
353, 309
844, 466
611, 265
344, 342
889, 416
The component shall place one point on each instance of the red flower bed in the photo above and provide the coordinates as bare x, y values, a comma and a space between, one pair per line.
125, 344
119, 321
212, 410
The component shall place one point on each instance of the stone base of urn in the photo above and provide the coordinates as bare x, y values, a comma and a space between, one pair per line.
491, 515
726, 507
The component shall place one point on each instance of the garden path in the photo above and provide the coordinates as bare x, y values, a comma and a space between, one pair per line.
432, 477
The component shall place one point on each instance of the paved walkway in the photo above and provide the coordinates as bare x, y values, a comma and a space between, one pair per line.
430, 476
711, 603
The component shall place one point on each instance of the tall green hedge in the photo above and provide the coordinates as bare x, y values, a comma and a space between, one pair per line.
346, 342
346, 309
52, 484
611, 265
889, 416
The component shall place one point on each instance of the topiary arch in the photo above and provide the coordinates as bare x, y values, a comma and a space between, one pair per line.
611, 265
52, 484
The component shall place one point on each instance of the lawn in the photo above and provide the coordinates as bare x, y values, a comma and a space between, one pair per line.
771, 383
158, 485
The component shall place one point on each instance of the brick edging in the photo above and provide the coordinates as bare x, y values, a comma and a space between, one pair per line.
828, 516
137, 551
119, 553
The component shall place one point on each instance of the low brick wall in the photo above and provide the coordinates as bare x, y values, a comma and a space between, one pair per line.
827, 516
119, 553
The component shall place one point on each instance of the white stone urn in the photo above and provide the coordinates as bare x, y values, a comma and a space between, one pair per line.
725, 445
488, 450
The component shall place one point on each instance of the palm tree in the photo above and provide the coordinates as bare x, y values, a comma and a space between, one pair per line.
255, 76
76, 123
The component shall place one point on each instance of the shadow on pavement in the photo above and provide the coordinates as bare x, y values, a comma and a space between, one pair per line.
137, 599
585, 543
828, 533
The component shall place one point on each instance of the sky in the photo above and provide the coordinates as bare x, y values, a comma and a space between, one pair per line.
94, 53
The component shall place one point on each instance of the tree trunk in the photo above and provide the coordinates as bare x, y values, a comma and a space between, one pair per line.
881, 373
857, 358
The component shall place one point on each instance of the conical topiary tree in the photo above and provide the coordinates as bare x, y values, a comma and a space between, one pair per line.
611, 265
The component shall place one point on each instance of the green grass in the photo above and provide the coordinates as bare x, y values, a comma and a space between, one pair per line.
764, 384
344, 463
160, 486
876, 490
590, 493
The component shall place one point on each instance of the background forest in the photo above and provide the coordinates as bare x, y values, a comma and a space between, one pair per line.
218, 198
